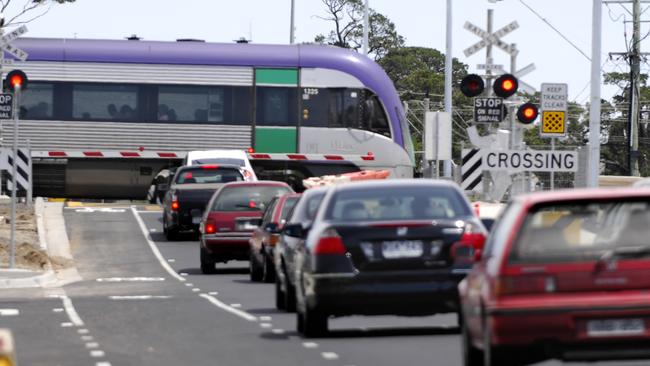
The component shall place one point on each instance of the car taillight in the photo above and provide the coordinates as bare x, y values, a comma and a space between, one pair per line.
329, 243
525, 284
210, 227
175, 204
471, 241
273, 239
210, 166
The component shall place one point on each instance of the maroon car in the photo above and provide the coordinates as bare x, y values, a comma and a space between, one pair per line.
266, 236
232, 214
564, 275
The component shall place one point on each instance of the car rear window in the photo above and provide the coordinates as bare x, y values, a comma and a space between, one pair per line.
229, 161
247, 198
583, 231
208, 175
288, 206
397, 203
307, 207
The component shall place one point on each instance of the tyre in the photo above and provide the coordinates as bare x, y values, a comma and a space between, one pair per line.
171, 234
279, 295
254, 269
268, 270
492, 355
289, 297
472, 356
207, 263
311, 322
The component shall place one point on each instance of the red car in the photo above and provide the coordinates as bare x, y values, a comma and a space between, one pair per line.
230, 217
564, 275
264, 238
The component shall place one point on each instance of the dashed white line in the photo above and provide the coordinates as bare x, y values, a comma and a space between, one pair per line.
57, 310
92, 345
153, 246
184, 275
277, 331
86, 338
152, 230
196, 289
266, 325
83, 331
310, 344
97, 353
236, 305
230, 309
189, 284
171, 260
265, 318
9, 312
213, 293
70, 310
67, 325
103, 364
330, 356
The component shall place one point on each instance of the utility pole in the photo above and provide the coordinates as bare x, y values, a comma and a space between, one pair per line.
635, 79
292, 34
448, 78
366, 26
593, 165
488, 55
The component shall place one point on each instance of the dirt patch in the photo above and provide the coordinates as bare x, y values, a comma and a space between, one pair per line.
28, 252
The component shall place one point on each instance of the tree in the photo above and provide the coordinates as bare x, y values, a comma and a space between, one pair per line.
29, 8
347, 16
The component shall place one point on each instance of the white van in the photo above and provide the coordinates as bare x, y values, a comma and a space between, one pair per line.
232, 157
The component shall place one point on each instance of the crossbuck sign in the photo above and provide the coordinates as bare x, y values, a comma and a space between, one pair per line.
491, 38
5, 44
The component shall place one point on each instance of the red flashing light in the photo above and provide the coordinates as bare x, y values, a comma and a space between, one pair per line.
472, 85
527, 113
505, 85
251, 150
16, 79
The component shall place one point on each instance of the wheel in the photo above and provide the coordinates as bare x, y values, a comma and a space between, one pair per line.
472, 356
492, 355
254, 269
311, 322
170, 234
279, 295
289, 297
268, 270
207, 263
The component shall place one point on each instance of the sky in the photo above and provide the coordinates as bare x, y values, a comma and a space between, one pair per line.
421, 22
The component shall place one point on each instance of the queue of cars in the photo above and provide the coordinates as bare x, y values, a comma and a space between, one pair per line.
561, 275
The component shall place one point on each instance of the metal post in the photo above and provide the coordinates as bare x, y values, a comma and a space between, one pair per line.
488, 56
427, 164
14, 181
292, 34
594, 110
366, 25
552, 172
448, 79
30, 183
635, 75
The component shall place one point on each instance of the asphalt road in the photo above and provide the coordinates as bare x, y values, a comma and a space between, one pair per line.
143, 301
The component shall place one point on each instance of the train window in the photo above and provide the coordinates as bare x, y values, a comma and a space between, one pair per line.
344, 107
105, 102
37, 102
191, 104
373, 116
314, 107
276, 106
240, 105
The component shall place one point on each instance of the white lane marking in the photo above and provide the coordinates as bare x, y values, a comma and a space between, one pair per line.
265, 318
86, 338
150, 212
230, 309
310, 344
9, 312
102, 209
152, 230
330, 356
83, 331
154, 248
57, 310
184, 275
236, 305
97, 353
131, 279
196, 289
103, 364
213, 293
139, 297
70, 310
171, 260
277, 331
92, 345
189, 284
67, 325
266, 325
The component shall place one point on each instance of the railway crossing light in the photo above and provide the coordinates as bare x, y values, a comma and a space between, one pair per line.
16, 79
527, 113
472, 85
505, 85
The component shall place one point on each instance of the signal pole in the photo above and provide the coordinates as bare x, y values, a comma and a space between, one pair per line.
292, 35
366, 25
635, 75
594, 110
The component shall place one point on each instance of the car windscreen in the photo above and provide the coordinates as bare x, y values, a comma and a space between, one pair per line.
289, 203
397, 203
583, 231
247, 198
229, 161
306, 208
201, 174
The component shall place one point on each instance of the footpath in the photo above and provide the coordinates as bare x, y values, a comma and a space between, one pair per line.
43, 257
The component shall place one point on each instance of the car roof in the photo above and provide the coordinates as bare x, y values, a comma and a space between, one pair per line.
198, 166
380, 183
259, 183
579, 194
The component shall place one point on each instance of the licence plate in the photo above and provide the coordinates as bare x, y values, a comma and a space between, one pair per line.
402, 249
196, 220
245, 226
615, 327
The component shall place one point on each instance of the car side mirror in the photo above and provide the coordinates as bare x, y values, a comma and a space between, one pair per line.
271, 227
295, 231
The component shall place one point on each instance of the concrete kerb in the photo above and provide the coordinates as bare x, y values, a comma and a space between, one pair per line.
53, 239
